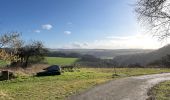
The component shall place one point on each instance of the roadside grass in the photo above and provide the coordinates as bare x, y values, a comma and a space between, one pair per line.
160, 91
125, 72
60, 60
59, 87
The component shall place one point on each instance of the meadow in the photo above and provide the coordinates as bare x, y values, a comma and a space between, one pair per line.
51, 61
60, 60
27, 87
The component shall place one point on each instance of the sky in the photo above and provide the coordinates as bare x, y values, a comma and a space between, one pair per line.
77, 24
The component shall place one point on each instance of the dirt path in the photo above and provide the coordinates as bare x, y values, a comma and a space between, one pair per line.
132, 88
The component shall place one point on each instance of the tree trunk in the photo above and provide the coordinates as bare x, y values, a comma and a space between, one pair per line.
26, 61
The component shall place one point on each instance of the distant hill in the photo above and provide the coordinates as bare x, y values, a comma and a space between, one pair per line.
104, 53
143, 58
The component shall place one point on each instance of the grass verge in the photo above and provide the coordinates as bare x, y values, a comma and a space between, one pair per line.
160, 91
59, 87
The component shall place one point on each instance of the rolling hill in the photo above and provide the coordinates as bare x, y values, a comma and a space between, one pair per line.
104, 53
143, 58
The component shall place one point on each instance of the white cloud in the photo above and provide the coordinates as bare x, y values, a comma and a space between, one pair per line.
37, 31
76, 45
47, 26
139, 41
67, 32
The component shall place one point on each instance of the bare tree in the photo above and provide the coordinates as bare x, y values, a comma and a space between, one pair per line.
14, 50
10, 40
9, 43
156, 14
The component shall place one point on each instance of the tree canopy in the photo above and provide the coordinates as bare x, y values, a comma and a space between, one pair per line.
18, 52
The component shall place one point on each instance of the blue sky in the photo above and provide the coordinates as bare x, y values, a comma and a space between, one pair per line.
101, 24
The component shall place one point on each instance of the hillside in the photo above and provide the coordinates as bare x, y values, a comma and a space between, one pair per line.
104, 53
143, 58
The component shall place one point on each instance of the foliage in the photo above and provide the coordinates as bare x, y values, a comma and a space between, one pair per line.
33, 52
156, 14
3, 63
91, 61
62, 54
163, 62
135, 65
12, 41
89, 58
14, 50
166, 61
8, 57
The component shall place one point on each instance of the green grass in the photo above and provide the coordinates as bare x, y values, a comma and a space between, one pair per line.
51, 61
59, 87
52, 87
60, 60
161, 91
132, 71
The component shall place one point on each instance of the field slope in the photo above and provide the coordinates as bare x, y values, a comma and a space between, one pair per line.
59, 87
60, 60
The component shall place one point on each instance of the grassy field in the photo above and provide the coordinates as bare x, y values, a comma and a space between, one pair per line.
51, 61
59, 87
60, 60
161, 91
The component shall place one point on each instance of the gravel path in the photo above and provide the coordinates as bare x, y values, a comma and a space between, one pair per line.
131, 88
